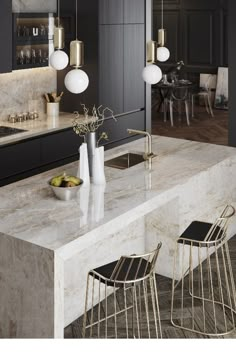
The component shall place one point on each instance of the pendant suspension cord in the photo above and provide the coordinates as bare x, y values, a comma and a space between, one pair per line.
162, 14
58, 13
76, 20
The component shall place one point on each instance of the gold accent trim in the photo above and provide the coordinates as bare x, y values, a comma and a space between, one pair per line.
162, 37
59, 37
152, 52
77, 54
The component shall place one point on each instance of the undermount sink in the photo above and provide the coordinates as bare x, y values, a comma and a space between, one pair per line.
125, 161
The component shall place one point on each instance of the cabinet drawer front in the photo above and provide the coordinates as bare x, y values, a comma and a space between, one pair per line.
59, 146
19, 158
118, 130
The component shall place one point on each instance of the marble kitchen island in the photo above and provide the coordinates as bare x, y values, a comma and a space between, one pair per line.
47, 246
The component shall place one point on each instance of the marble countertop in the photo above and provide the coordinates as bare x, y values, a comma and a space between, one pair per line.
40, 126
29, 210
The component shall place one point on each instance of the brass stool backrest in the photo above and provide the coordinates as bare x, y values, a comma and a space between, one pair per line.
139, 268
217, 232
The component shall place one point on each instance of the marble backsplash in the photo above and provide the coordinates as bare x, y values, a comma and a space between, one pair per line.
23, 90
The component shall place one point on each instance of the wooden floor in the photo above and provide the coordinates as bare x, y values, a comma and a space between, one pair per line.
164, 289
203, 127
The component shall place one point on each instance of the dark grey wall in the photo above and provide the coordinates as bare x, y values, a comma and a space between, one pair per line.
196, 33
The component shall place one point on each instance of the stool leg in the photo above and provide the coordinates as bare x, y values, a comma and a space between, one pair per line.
140, 307
157, 303
106, 309
146, 306
212, 289
202, 288
92, 310
193, 113
136, 309
220, 287
86, 306
115, 310
171, 113
187, 112
209, 104
153, 304
126, 314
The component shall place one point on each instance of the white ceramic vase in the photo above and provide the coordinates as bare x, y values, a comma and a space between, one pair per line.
83, 170
98, 166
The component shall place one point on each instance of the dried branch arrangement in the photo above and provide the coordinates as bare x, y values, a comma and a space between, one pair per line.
90, 124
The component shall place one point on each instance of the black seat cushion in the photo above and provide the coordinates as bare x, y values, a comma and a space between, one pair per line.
107, 270
197, 231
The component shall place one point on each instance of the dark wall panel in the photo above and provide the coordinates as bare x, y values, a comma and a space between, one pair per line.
111, 12
134, 11
199, 38
111, 67
6, 36
134, 88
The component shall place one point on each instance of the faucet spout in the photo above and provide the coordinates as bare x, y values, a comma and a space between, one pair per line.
149, 153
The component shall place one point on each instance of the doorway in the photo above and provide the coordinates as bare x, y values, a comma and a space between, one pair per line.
194, 103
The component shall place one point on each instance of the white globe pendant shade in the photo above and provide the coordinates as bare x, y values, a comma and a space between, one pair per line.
152, 74
76, 81
163, 54
59, 60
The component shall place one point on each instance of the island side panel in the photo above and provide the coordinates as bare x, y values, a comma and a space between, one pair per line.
26, 290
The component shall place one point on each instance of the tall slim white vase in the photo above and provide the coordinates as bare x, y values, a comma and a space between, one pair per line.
98, 166
83, 170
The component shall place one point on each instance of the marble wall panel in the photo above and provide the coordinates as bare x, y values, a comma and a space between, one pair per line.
23, 90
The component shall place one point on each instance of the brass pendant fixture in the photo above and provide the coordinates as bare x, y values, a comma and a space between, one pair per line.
76, 80
59, 59
163, 53
59, 37
77, 54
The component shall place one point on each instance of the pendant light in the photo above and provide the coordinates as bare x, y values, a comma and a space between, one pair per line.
163, 53
76, 80
59, 59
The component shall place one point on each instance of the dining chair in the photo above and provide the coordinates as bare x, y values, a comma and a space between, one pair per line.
205, 94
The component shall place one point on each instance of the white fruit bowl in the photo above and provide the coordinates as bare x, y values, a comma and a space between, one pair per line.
66, 193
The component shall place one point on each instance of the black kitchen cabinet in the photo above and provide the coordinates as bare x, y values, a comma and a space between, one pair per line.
18, 158
59, 146
134, 87
111, 67
117, 131
6, 36
111, 12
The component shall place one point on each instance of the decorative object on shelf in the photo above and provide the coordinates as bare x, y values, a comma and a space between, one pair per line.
59, 59
88, 130
53, 103
163, 53
32, 39
76, 80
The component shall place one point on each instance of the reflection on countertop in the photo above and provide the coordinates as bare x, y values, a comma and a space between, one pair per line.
40, 126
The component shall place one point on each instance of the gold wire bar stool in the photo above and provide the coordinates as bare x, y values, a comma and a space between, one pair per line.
123, 299
203, 288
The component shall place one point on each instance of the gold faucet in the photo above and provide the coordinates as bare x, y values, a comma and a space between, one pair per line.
149, 154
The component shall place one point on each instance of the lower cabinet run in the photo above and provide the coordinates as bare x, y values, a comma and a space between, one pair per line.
30, 157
